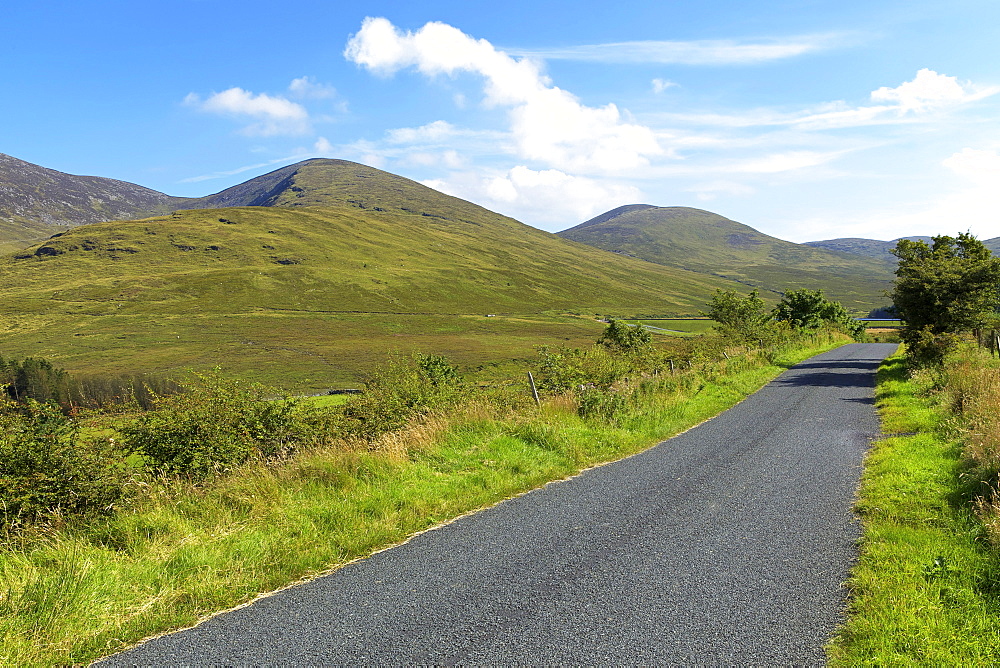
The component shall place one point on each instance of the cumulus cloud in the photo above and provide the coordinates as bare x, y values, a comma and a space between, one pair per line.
273, 115
547, 124
552, 199
928, 90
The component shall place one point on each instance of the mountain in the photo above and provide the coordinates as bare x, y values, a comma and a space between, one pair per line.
35, 201
881, 249
319, 292
867, 247
706, 242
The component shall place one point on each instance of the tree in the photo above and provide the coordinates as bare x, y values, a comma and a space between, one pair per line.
948, 287
809, 309
741, 318
622, 337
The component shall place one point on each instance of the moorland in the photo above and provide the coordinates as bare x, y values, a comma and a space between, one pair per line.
306, 276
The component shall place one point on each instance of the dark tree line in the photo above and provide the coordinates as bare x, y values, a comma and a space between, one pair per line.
38, 379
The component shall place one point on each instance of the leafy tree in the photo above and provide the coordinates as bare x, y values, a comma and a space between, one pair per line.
948, 287
36, 378
739, 317
809, 309
619, 336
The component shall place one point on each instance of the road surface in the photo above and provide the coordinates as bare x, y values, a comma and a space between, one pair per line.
727, 544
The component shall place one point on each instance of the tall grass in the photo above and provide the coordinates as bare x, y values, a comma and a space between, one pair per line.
186, 548
971, 387
925, 590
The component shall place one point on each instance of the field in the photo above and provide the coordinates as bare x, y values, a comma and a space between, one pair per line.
676, 326
301, 352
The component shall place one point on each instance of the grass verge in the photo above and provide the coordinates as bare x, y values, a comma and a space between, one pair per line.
74, 594
926, 590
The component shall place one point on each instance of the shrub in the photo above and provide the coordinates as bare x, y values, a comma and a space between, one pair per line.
601, 404
46, 468
214, 425
741, 319
559, 369
623, 338
399, 391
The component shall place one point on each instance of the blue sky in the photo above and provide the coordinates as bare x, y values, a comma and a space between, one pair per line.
805, 119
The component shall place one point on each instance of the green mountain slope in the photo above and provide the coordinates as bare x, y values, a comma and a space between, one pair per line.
342, 259
314, 295
705, 242
36, 202
880, 249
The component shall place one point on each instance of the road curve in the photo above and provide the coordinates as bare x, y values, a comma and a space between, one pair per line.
727, 544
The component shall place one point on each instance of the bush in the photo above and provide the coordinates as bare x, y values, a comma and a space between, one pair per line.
560, 369
46, 468
601, 404
214, 425
399, 391
621, 337
925, 348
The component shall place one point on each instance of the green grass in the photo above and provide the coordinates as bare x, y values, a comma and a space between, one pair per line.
76, 594
328, 400
677, 326
883, 323
926, 590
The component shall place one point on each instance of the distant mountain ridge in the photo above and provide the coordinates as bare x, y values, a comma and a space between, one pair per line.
880, 249
706, 242
36, 201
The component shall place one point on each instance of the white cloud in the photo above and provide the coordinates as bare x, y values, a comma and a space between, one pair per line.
275, 115
550, 198
432, 132
660, 85
928, 90
306, 88
968, 204
323, 147
699, 52
450, 159
910, 102
548, 124
976, 165
783, 162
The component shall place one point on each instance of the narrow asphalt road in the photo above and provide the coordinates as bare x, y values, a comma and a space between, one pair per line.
727, 544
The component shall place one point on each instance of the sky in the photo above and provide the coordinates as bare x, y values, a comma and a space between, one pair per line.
805, 119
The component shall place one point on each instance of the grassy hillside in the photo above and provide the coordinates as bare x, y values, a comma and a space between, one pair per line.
316, 294
706, 242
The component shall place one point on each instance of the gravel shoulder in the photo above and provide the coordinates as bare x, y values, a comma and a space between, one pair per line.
727, 544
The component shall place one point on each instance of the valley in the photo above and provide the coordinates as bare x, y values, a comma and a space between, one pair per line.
310, 274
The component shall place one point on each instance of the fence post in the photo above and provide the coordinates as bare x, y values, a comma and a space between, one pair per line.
534, 391
671, 367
